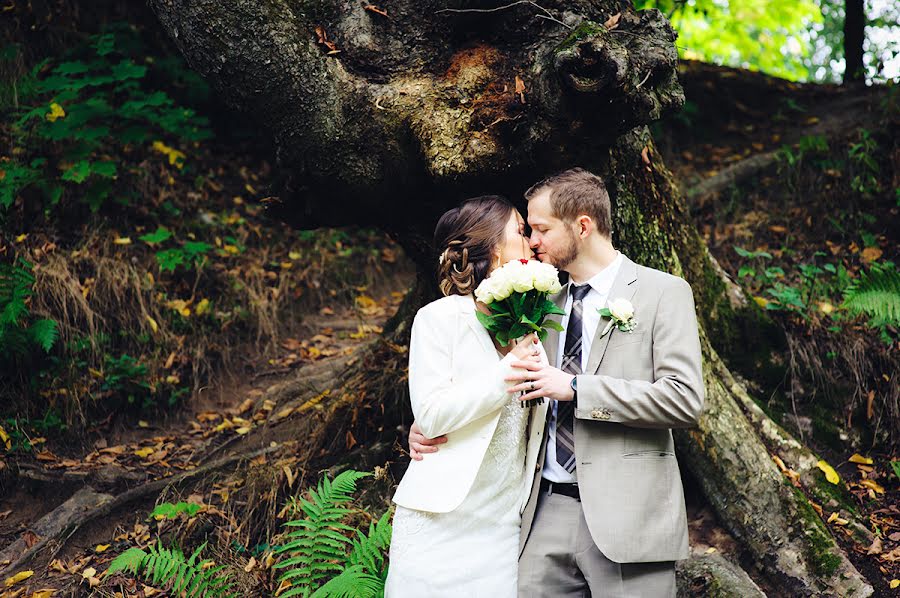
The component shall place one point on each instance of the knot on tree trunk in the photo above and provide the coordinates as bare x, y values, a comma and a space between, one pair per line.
627, 63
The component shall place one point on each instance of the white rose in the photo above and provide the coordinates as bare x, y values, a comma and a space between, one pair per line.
520, 276
501, 284
546, 278
621, 309
483, 292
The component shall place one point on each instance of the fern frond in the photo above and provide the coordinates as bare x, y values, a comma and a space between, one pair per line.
368, 550
353, 582
876, 293
16, 281
44, 333
130, 561
315, 547
164, 566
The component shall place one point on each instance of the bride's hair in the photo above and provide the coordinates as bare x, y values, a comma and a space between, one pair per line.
465, 238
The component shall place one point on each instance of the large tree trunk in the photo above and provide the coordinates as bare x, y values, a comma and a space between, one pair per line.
854, 36
389, 119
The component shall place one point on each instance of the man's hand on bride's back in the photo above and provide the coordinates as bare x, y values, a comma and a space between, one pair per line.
419, 445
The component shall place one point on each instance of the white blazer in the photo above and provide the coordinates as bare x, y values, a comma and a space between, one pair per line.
457, 388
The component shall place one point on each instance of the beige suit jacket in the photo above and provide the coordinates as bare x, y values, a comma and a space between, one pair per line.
636, 387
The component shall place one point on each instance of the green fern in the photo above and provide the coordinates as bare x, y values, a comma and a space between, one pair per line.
353, 582
365, 574
44, 333
163, 566
876, 293
318, 548
16, 282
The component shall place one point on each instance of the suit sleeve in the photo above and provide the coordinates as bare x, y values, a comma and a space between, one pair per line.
440, 403
675, 398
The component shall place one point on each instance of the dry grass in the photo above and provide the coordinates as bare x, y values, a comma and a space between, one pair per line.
858, 379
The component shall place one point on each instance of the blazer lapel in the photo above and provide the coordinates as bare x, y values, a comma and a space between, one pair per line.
623, 287
551, 342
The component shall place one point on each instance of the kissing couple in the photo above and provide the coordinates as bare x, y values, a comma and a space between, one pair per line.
580, 495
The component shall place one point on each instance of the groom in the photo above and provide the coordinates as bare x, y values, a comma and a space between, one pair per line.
606, 515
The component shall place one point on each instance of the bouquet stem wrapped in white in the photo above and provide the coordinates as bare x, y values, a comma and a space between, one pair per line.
517, 294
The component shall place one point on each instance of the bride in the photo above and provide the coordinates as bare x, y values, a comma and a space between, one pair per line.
456, 528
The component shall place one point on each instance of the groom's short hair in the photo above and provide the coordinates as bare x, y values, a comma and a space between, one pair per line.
575, 192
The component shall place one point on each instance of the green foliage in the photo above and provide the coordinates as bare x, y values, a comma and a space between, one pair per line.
161, 234
876, 294
126, 376
169, 567
75, 108
761, 34
811, 150
895, 465
794, 40
864, 166
17, 337
168, 510
818, 282
318, 547
22, 429
190, 252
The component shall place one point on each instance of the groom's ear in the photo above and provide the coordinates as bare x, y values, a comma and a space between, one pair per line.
584, 226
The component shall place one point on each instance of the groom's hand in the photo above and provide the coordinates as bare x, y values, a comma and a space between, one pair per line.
540, 380
420, 445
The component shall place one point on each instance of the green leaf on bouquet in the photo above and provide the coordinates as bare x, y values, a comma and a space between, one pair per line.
497, 312
487, 321
518, 330
516, 301
502, 338
525, 320
554, 325
548, 307
605, 312
542, 334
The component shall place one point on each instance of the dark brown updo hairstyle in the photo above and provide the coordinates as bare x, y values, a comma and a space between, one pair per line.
465, 238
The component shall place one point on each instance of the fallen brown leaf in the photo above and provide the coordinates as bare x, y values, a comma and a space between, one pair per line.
613, 21
875, 547
376, 10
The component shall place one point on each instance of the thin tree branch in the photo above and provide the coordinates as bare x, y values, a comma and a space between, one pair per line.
547, 14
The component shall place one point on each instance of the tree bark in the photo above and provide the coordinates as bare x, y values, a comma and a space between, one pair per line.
388, 120
854, 36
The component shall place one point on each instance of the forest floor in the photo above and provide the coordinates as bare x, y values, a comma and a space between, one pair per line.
245, 417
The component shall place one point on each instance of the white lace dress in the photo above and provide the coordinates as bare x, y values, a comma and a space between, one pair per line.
473, 550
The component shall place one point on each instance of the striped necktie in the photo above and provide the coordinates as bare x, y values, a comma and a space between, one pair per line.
571, 363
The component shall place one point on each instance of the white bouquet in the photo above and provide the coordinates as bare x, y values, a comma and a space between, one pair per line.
517, 295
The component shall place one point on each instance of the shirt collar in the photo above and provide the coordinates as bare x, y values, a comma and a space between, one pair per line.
603, 280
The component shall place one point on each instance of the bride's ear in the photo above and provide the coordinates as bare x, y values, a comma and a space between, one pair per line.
495, 258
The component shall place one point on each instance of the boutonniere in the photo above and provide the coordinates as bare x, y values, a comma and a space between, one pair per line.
621, 315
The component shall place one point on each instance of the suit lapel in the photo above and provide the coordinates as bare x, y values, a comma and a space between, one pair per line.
551, 342
623, 287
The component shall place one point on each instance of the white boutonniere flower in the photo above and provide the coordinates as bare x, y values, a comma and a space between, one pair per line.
621, 315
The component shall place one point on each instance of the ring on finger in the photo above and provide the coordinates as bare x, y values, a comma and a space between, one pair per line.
531, 386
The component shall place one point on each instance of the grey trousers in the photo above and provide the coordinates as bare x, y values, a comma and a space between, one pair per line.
561, 560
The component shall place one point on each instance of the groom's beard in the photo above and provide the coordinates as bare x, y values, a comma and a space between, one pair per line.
567, 254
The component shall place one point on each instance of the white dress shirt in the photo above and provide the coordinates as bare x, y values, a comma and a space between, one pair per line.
596, 299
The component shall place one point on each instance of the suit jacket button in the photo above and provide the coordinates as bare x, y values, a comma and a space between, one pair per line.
601, 413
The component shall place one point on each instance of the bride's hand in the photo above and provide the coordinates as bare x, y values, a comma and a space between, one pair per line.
419, 445
528, 349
